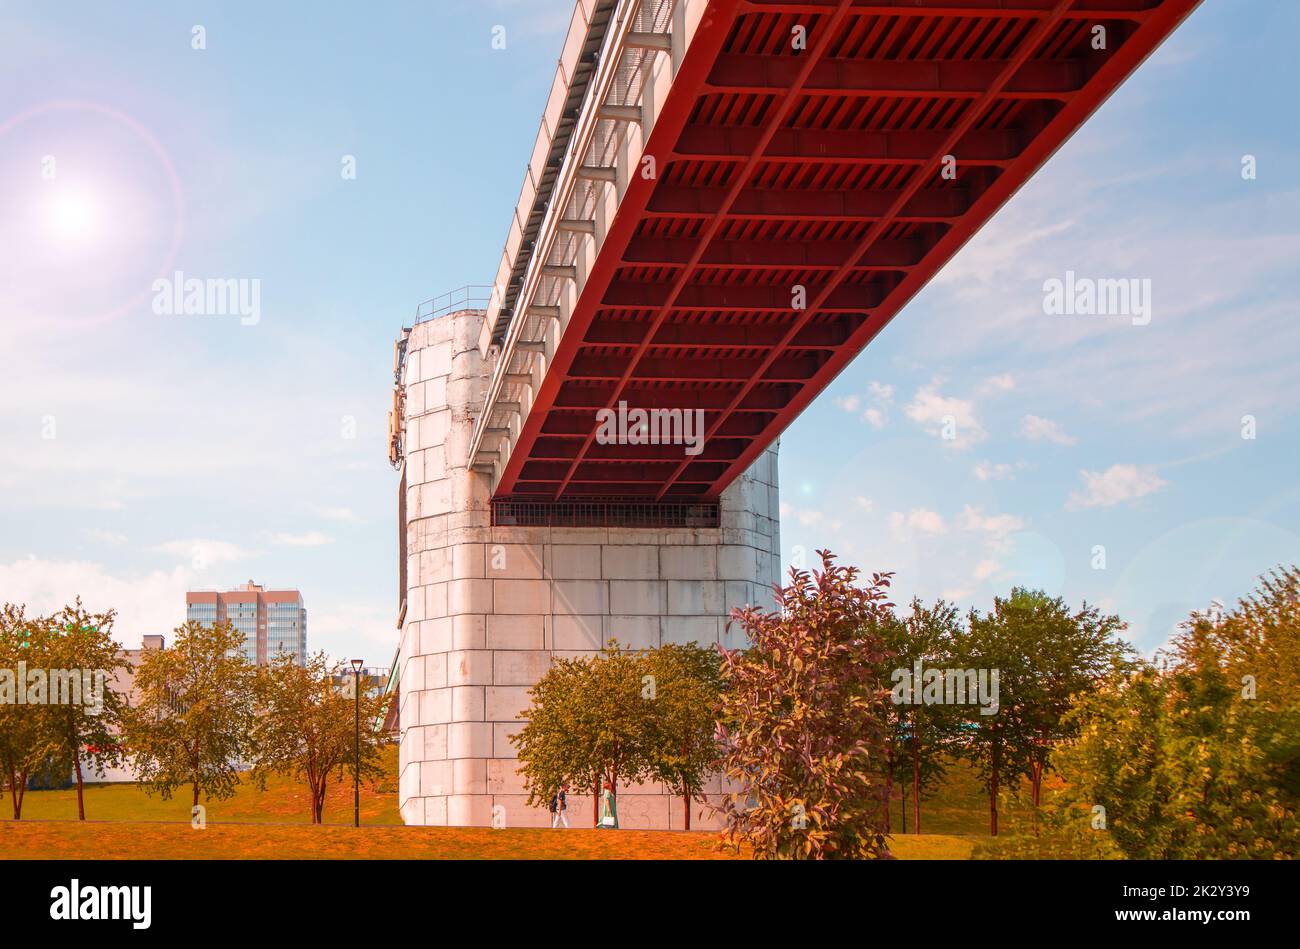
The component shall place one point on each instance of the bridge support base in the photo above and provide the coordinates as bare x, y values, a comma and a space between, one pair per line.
488, 608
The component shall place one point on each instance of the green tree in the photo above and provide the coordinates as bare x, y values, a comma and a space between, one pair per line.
684, 747
920, 734
22, 751
588, 722
194, 719
804, 722
1116, 761
1065, 654
306, 726
999, 744
1044, 655
1198, 756
80, 646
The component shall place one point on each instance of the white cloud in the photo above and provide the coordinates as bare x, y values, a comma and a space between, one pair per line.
936, 412
919, 520
985, 569
1036, 428
866, 505
148, 603
1004, 382
990, 471
309, 539
350, 629
874, 417
808, 517
105, 537
1115, 485
345, 514
881, 392
997, 526
205, 553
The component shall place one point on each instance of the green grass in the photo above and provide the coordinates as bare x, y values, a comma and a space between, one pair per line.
959, 807
283, 801
173, 841
954, 821
111, 841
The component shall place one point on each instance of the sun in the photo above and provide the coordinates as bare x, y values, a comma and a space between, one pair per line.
72, 215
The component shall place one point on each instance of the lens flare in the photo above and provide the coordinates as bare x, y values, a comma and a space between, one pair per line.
73, 216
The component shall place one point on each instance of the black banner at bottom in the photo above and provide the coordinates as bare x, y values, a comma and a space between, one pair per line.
147, 898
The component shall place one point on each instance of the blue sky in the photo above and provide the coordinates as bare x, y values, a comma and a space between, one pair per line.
145, 455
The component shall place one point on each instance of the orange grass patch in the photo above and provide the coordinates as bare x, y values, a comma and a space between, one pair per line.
143, 841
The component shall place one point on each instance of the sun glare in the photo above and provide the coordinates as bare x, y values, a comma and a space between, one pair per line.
72, 216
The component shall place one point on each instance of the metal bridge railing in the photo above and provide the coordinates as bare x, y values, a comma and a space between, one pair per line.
470, 297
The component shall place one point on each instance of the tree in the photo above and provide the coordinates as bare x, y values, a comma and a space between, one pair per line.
1044, 655
82, 655
684, 747
306, 726
997, 744
1198, 757
1065, 654
1117, 762
804, 723
920, 733
588, 723
22, 752
194, 719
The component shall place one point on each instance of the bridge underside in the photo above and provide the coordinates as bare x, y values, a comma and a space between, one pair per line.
815, 164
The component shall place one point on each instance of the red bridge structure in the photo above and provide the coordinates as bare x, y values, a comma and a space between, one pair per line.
729, 199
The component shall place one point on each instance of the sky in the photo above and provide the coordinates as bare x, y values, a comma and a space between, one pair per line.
146, 453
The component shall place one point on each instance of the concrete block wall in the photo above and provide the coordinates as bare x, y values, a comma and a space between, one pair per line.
488, 608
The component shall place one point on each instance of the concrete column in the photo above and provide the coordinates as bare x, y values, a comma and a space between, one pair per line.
488, 608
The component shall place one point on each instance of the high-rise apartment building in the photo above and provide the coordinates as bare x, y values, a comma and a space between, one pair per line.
272, 621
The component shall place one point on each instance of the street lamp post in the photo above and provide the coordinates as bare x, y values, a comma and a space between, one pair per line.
356, 745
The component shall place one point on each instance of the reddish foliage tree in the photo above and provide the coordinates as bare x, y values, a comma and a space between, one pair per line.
804, 721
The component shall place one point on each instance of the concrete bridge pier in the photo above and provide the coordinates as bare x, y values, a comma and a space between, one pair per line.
488, 608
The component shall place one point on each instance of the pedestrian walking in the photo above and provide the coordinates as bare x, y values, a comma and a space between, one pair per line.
560, 807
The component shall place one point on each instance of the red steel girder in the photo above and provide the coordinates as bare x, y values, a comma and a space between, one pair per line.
826, 31
831, 333
583, 395
1135, 10
791, 367
848, 146
948, 144
767, 254
730, 297
894, 78
934, 204
1157, 23
722, 233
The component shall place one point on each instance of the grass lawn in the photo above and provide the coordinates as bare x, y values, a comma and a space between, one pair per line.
960, 806
151, 841
123, 821
283, 802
